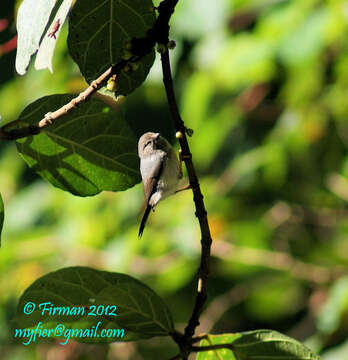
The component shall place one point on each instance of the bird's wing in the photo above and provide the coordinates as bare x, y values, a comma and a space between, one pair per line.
149, 186
151, 181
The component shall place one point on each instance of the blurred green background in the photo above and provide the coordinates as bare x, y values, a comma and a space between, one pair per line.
264, 85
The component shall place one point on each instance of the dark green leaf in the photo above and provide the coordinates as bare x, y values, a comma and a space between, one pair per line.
1, 215
140, 311
32, 19
256, 345
87, 151
99, 31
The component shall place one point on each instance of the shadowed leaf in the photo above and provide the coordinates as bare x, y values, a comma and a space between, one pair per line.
90, 150
139, 310
99, 31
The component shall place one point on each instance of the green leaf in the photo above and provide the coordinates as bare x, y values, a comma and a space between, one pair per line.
99, 31
2, 215
45, 54
256, 345
140, 311
87, 151
32, 18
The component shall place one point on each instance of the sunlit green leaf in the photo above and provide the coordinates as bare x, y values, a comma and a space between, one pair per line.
256, 345
32, 19
87, 151
99, 32
138, 309
221, 354
45, 54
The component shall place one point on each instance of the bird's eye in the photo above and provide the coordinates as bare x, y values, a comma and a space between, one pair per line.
149, 142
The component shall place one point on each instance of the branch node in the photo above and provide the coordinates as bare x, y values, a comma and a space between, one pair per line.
94, 85
187, 156
171, 44
200, 214
48, 119
189, 132
195, 186
199, 286
179, 135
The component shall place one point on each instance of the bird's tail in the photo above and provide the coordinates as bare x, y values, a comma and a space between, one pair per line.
143, 220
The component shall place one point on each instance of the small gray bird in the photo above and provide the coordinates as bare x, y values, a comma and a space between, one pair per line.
160, 170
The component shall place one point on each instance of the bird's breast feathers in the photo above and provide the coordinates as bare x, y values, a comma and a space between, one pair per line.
168, 180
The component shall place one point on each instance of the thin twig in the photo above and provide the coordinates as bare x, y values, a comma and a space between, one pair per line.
64, 110
211, 347
201, 212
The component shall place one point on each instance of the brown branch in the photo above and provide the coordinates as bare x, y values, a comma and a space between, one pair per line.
64, 110
201, 212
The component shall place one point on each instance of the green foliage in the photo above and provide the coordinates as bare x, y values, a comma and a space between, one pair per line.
99, 33
90, 150
258, 344
140, 311
264, 86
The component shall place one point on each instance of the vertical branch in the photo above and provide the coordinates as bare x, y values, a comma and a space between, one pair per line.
201, 213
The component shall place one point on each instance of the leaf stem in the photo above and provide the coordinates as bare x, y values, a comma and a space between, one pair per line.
211, 347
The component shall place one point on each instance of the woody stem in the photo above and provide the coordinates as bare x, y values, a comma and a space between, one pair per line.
201, 213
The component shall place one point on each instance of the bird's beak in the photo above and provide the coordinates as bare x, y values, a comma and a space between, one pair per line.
156, 137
